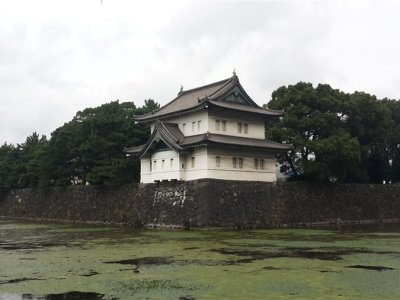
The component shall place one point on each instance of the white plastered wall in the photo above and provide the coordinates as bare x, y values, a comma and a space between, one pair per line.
255, 128
226, 171
199, 170
191, 121
205, 165
164, 166
145, 173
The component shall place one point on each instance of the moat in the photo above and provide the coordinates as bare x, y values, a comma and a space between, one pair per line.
65, 261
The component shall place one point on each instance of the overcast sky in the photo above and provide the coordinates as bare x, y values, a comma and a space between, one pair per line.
58, 57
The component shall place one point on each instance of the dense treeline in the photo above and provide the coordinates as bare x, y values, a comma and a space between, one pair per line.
338, 137
88, 149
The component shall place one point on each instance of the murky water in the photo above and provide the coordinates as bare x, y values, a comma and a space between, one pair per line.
50, 261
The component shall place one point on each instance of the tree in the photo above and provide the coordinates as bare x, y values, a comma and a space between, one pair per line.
31, 160
393, 139
370, 121
314, 124
8, 168
89, 149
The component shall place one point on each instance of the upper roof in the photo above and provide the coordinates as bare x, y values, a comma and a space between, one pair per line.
172, 136
224, 94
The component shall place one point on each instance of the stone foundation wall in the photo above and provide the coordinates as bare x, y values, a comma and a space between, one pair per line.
208, 203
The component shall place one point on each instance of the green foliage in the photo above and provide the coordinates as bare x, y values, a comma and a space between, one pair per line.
338, 136
8, 168
22, 166
88, 149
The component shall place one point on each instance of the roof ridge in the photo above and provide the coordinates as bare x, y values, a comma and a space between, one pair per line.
245, 92
227, 82
183, 93
204, 86
167, 131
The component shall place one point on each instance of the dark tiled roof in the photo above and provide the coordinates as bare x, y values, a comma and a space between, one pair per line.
168, 132
174, 131
174, 138
198, 98
134, 150
234, 141
245, 108
188, 99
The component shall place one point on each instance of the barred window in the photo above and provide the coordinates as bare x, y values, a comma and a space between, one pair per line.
261, 164
256, 163
223, 125
193, 161
217, 125
217, 161
240, 162
239, 127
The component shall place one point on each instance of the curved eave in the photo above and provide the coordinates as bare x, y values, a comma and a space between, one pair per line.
152, 117
269, 149
217, 139
246, 109
162, 132
134, 150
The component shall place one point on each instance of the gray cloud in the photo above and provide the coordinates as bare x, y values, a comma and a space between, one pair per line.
74, 55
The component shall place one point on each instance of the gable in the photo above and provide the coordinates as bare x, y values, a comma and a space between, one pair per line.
236, 96
157, 144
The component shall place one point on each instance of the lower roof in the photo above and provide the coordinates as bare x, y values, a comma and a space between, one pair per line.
172, 136
211, 138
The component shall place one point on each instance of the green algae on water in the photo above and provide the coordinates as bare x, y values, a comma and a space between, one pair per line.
122, 263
